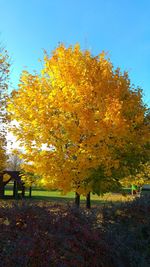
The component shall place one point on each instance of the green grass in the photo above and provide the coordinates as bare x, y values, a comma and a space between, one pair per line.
56, 196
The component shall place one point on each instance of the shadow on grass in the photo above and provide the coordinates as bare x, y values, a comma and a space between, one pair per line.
66, 200
51, 198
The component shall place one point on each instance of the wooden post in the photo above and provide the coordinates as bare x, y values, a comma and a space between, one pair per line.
132, 189
15, 190
2, 193
88, 201
77, 200
23, 191
1, 186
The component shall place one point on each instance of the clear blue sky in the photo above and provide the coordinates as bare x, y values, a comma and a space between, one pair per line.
119, 27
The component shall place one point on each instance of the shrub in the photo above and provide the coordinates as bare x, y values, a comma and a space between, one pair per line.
36, 236
127, 229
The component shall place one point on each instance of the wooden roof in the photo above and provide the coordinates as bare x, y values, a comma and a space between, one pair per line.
14, 175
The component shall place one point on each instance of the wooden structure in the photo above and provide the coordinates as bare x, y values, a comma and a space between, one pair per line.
18, 184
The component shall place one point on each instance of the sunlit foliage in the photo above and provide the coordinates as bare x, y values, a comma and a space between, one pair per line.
86, 114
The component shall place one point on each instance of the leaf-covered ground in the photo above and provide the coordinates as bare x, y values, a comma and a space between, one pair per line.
37, 234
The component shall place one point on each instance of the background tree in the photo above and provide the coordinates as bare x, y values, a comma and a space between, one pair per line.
14, 162
137, 158
4, 77
86, 113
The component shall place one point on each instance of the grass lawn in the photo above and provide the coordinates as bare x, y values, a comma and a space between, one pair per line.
56, 196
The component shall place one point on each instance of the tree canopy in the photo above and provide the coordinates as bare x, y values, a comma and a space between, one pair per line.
79, 115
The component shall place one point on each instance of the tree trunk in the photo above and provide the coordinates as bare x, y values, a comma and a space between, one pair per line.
77, 200
30, 191
88, 201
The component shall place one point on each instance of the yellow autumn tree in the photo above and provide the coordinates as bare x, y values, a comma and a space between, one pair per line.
140, 178
78, 115
137, 156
